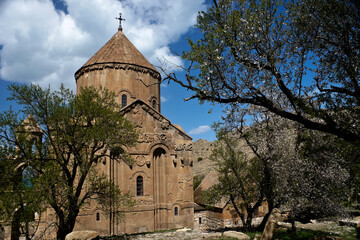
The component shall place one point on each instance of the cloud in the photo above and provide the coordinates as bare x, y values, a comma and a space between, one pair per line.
44, 45
163, 99
200, 129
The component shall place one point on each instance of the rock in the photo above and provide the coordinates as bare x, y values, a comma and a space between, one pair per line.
238, 235
212, 235
202, 150
184, 230
285, 225
82, 235
348, 222
257, 236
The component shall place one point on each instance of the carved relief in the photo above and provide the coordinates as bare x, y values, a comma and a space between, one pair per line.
165, 125
184, 147
184, 183
187, 177
152, 137
144, 201
138, 117
140, 161
184, 180
123, 66
189, 147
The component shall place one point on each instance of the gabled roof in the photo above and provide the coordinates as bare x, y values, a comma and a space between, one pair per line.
153, 111
119, 50
30, 125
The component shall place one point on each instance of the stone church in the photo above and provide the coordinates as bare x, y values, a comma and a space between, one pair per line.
160, 179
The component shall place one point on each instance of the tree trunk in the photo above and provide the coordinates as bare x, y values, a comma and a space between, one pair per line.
271, 224
64, 230
261, 227
249, 219
15, 225
67, 226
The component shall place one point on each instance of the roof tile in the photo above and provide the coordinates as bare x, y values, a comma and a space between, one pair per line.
119, 50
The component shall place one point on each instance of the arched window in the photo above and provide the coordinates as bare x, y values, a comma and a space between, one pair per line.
139, 186
123, 100
176, 211
154, 104
97, 216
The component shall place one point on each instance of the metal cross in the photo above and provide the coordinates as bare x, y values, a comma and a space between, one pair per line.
120, 19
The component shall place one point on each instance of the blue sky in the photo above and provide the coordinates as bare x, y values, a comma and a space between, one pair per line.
45, 42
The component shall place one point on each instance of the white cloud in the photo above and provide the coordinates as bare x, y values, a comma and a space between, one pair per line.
167, 60
163, 99
46, 46
200, 129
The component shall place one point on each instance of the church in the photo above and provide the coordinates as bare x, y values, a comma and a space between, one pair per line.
160, 179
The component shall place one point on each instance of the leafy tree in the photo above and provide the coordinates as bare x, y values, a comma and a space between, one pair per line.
19, 199
62, 141
305, 172
297, 59
240, 178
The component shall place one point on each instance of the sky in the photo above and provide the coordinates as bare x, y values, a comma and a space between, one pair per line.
45, 41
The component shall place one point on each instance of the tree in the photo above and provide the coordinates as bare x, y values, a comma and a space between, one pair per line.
240, 178
62, 141
319, 184
297, 59
305, 172
19, 200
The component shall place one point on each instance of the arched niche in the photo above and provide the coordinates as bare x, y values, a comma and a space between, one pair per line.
146, 183
153, 147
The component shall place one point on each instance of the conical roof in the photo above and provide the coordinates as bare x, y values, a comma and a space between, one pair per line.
119, 50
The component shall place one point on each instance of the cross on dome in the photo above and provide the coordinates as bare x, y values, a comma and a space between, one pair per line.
120, 19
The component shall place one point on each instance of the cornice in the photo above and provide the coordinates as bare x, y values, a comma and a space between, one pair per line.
115, 65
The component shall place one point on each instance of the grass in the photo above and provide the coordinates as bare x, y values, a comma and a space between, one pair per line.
308, 234
129, 236
279, 235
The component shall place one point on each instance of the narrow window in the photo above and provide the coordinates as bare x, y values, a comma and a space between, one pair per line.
97, 217
123, 100
176, 211
154, 104
199, 220
139, 186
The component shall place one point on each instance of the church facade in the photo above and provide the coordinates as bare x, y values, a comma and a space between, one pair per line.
160, 179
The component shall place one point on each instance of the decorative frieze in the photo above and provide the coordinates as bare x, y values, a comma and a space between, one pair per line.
184, 147
122, 66
152, 137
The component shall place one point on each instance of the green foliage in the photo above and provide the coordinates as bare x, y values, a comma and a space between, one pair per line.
297, 235
197, 181
239, 177
308, 234
62, 140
